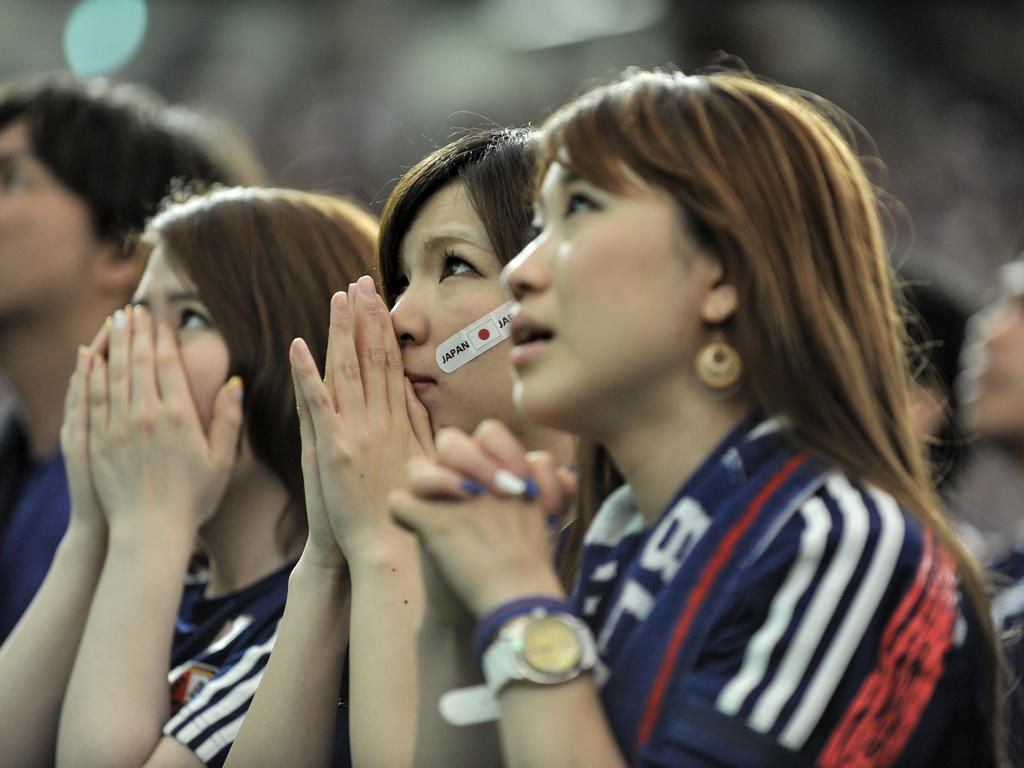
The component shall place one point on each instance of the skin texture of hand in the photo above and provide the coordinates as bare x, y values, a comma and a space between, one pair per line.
487, 545
359, 426
149, 457
74, 441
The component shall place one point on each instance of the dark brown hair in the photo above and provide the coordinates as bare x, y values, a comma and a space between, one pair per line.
496, 165
118, 146
767, 177
266, 262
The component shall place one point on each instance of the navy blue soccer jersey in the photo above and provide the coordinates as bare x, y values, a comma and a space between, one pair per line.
780, 614
221, 647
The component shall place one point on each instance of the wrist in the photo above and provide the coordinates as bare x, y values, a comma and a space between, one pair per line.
162, 530
314, 568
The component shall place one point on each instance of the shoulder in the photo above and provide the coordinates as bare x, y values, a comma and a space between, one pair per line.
849, 613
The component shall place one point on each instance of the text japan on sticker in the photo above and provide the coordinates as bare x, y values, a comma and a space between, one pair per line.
475, 339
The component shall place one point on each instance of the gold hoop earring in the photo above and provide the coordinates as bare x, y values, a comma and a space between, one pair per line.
719, 366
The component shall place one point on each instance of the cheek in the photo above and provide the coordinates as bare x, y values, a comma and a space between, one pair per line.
206, 368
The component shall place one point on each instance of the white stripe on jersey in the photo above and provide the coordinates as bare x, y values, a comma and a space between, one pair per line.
617, 518
227, 733
762, 644
195, 709
1008, 603
820, 611
858, 616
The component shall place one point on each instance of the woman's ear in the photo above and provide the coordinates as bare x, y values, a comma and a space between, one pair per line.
721, 300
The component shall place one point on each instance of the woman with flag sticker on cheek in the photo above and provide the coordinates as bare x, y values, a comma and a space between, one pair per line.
452, 223
709, 298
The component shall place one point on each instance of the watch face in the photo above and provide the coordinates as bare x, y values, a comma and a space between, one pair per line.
551, 646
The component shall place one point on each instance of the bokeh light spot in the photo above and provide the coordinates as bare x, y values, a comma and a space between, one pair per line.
101, 36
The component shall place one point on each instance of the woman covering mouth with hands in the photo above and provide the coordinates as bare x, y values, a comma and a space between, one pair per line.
452, 223
708, 298
180, 426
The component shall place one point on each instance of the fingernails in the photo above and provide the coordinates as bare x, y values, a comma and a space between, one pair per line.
120, 320
339, 302
472, 487
365, 284
235, 388
532, 489
509, 483
82, 350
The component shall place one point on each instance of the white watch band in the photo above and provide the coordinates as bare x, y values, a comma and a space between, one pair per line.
503, 660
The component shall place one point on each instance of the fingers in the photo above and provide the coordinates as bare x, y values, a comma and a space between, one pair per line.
341, 370
143, 372
371, 317
98, 403
460, 452
226, 422
76, 405
119, 362
170, 375
100, 342
430, 480
307, 436
310, 390
419, 418
502, 446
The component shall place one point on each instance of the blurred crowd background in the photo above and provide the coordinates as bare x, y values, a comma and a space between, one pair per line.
343, 95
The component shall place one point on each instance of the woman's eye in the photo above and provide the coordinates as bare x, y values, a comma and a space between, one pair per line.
578, 203
193, 320
454, 265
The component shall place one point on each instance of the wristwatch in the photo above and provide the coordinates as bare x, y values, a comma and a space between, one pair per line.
543, 646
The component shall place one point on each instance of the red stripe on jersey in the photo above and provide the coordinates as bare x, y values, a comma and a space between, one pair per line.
717, 562
890, 701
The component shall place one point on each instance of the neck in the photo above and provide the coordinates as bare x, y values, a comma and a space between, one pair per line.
243, 539
37, 354
658, 445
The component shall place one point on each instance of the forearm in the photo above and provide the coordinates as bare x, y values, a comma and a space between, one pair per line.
125, 651
542, 725
387, 601
36, 660
447, 662
291, 720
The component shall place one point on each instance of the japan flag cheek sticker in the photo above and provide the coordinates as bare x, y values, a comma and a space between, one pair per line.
475, 339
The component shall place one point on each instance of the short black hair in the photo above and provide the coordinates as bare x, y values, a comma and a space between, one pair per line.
119, 146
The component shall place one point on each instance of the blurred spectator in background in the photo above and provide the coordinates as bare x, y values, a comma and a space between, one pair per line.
992, 391
82, 165
936, 328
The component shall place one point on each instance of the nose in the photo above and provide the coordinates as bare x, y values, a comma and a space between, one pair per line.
409, 318
527, 272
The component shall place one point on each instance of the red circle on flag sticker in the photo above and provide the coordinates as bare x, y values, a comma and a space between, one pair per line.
484, 334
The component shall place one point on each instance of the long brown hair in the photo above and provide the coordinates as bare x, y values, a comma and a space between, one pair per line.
770, 182
266, 262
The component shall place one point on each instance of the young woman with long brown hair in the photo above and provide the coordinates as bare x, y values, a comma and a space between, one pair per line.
180, 425
708, 297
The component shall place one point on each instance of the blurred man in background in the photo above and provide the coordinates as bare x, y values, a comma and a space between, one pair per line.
83, 164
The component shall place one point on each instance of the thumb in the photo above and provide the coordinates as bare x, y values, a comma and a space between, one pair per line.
226, 421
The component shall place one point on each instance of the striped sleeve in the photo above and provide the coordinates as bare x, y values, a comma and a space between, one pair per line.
832, 640
209, 722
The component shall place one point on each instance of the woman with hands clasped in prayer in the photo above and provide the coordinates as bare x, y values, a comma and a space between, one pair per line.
708, 298
451, 224
179, 426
